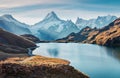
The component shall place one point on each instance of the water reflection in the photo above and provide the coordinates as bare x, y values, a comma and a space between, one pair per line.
53, 52
96, 61
113, 52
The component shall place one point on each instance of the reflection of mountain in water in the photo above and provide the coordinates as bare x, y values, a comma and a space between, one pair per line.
113, 52
53, 52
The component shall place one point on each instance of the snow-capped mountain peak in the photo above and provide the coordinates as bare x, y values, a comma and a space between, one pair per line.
99, 22
7, 17
49, 19
79, 20
51, 27
51, 16
10, 18
9, 23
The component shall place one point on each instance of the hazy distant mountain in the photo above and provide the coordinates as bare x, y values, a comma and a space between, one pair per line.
10, 24
99, 22
52, 27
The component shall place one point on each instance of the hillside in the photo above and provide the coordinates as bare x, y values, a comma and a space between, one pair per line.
110, 35
12, 43
25, 67
85, 35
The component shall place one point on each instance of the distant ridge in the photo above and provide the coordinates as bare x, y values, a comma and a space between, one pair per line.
98, 22
9, 23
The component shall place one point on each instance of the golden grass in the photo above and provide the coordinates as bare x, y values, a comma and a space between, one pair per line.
38, 67
35, 60
110, 34
38, 60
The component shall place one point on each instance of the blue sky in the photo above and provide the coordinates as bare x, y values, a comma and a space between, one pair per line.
32, 11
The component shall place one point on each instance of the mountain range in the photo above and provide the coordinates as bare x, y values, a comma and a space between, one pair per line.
107, 36
98, 22
52, 27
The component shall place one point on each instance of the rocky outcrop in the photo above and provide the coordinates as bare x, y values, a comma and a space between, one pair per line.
12, 43
110, 35
29, 67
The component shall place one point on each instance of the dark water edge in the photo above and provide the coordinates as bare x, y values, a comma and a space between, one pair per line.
94, 60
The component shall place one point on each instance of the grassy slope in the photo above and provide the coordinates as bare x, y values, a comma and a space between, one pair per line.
38, 67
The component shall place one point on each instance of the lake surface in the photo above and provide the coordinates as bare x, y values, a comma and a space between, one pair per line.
96, 61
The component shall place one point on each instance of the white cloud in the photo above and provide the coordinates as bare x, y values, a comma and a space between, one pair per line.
18, 3
72, 11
